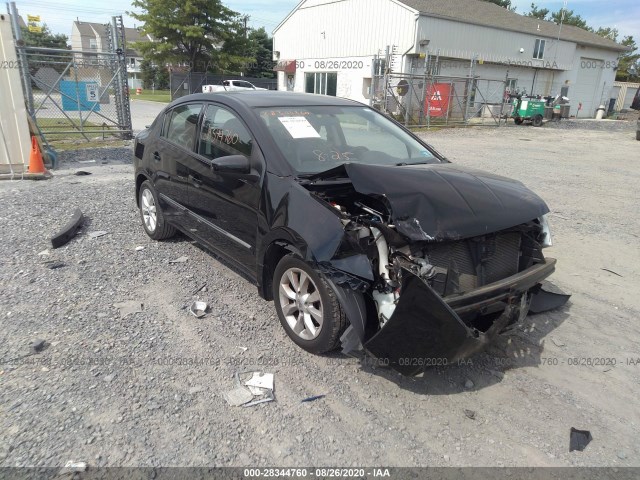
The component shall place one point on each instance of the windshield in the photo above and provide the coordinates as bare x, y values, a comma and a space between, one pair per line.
319, 138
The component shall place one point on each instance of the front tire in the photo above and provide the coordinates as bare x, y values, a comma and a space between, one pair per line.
153, 219
537, 121
307, 306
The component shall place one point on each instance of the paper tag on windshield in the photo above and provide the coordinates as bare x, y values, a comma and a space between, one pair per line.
299, 127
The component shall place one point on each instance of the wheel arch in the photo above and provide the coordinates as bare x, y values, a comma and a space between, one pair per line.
271, 255
141, 177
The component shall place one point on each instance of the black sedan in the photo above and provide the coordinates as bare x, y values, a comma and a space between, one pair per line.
362, 234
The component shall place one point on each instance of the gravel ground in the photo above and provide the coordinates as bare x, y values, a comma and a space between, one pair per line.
145, 388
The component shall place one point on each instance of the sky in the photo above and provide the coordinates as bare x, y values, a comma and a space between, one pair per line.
60, 14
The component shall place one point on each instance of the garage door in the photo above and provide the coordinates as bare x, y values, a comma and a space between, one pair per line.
587, 89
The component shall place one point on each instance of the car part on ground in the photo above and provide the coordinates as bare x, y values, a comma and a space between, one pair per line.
69, 230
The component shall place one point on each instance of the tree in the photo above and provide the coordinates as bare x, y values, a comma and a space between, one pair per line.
540, 13
608, 32
502, 3
262, 51
187, 32
153, 76
629, 62
44, 38
568, 17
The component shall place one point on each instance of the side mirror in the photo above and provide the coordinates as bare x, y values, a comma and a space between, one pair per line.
231, 164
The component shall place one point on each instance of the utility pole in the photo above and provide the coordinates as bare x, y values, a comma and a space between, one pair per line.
246, 32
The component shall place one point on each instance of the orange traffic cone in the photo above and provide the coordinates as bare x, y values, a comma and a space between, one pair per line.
36, 165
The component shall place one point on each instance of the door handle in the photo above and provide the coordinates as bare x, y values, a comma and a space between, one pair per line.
197, 181
156, 156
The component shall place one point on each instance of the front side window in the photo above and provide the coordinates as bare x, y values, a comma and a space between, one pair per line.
223, 134
317, 138
538, 49
181, 124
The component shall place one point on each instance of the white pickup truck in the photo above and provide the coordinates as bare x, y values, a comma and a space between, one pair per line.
230, 86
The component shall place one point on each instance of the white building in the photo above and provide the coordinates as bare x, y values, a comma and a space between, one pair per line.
328, 46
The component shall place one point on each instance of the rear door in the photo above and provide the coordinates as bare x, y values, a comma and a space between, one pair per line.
170, 158
226, 204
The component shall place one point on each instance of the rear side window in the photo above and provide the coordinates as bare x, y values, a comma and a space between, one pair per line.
181, 124
223, 134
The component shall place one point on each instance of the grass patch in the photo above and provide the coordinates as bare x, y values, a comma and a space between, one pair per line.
62, 129
163, 96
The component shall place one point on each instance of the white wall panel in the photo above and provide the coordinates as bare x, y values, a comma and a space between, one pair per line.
15, 142
345, 28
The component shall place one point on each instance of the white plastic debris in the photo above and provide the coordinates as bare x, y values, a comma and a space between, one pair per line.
199, 309
129, 307
139, 248
97, 233
260, 380
179, 260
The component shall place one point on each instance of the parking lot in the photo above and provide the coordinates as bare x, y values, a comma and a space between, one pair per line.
128, 377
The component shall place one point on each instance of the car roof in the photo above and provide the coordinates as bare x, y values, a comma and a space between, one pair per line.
268, 98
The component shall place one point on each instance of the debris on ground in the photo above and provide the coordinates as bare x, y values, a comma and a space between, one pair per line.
238, 396
199, 309
470, 414
312, 399
69, 230
256, 386
97, 233
37, 345
129, 307
611, 271
81, 173
557, 343
139, 248
199, 289
579, 439
73, 467
53, 265
43, 252
244, 349
182, 259
469, 384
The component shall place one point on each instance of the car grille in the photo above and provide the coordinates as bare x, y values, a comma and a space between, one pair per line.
468, 264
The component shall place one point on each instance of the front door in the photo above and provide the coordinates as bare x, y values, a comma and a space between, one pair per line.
226, 204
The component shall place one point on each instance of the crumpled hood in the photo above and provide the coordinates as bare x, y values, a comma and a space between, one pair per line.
445, 201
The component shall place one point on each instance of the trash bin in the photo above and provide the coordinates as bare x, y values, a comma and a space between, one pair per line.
564, 110
138, 91
548, 112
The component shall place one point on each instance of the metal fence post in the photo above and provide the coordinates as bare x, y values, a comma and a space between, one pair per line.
24, 67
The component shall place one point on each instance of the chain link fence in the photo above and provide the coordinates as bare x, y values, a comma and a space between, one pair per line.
77, 95
431, 99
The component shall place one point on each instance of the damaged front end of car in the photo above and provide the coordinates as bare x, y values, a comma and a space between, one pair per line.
455, 257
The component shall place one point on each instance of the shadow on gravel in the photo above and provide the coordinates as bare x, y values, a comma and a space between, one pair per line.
521, 347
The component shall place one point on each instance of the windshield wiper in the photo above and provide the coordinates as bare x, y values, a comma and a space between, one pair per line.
403, 164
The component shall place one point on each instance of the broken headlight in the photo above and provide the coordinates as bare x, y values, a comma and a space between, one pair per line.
545, 236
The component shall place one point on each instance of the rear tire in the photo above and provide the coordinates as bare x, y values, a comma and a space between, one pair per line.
307, 306
537, 120
153, 219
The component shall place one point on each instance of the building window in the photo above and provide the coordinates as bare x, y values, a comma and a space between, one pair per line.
132, 62
321, 83
538, 49
93, 44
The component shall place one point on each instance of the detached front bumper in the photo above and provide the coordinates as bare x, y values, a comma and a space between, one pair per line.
427, 329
